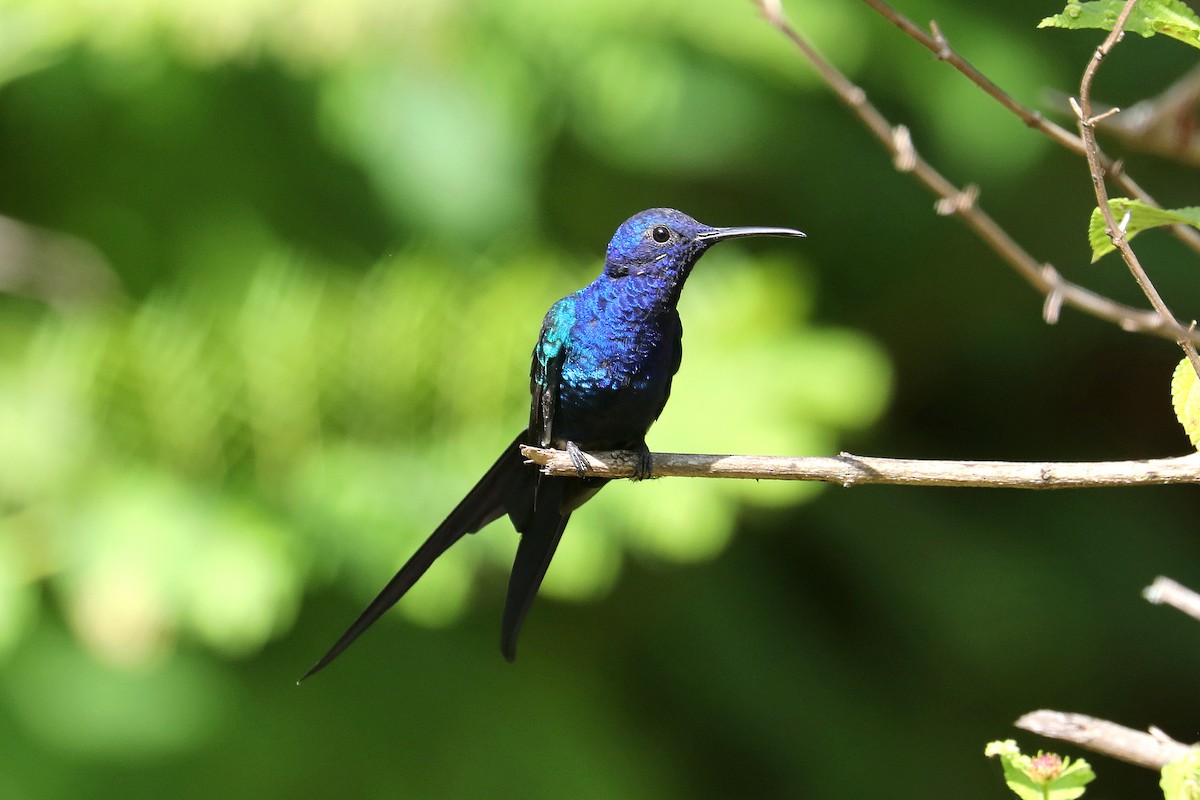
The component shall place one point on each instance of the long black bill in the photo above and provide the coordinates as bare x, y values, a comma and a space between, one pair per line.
721, 234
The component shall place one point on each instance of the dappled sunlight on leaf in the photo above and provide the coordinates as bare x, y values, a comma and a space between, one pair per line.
1185, 399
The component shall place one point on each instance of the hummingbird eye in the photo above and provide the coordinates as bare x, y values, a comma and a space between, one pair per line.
660, 233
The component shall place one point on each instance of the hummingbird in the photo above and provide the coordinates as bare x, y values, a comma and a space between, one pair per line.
600, 376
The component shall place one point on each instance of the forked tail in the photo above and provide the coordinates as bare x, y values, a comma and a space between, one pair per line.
508, 487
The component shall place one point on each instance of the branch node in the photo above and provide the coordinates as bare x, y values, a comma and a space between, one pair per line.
850, 477
959, 202
1103, 115
1117, 235
1052, 307
943, 51
772, 10
906, 155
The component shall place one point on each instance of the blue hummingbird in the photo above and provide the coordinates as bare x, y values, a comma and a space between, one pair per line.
600, 377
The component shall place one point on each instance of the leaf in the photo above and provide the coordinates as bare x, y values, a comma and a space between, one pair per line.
1181, 778
1169, 17
1185, 397
1071, 784
1141, 217
1045, 776
1014, 765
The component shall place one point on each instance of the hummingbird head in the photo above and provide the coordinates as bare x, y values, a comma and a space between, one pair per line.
664, 243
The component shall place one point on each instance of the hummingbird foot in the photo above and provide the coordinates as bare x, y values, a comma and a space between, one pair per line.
644, 469
577, 459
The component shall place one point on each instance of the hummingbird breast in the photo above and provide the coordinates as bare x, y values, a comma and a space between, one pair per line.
623, 353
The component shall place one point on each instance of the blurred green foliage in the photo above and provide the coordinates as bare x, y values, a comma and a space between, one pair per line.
1181, 778
273, 272
192, 439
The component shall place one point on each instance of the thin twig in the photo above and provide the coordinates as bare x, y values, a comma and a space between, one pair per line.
1154, 749
935, 41
897, 140
1087, 130
849, 470
1168, 592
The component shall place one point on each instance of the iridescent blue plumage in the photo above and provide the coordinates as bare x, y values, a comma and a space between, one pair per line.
601, 374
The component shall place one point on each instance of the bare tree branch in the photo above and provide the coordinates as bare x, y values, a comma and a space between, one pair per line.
936, 42
849, 470
1154, 749
1168, 592
963, 202
1115, 230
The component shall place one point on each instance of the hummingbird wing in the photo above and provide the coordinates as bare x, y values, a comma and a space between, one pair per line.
546, 370
676, 339
542, 521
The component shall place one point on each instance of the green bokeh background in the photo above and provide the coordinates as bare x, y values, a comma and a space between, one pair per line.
272, 272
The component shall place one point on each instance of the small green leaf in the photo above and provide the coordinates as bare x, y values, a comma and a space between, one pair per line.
1185, 397
1045, 776
1141, 217
1181, 778
1169, 17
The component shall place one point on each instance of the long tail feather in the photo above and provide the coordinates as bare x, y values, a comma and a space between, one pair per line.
506, 487
539, 539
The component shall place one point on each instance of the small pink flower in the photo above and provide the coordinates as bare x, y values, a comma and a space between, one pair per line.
1045, 768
